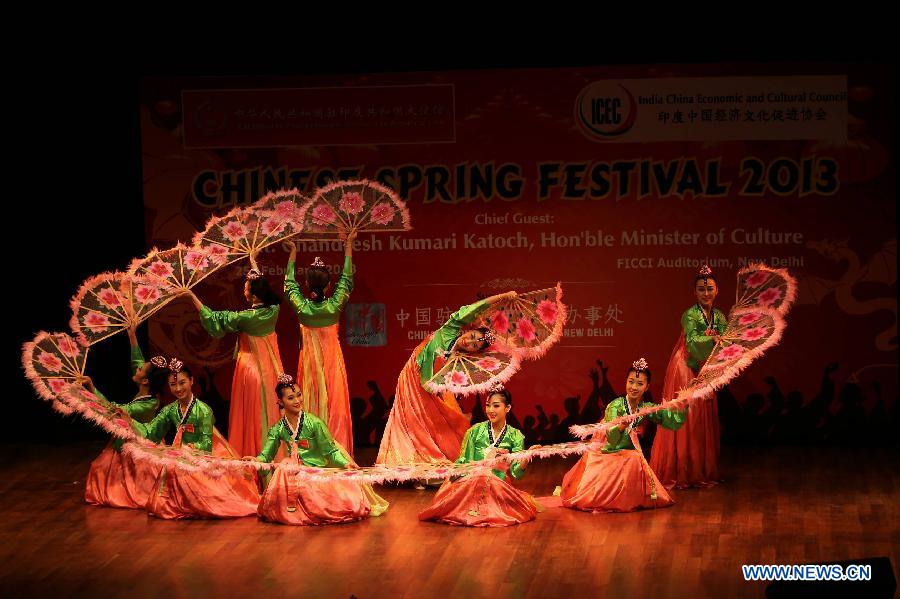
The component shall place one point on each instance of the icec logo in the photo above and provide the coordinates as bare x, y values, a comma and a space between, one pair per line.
605, 110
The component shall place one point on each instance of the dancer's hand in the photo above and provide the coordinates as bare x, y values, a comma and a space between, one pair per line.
502, 296
193, 297
132, 333
348, 242
253, 256
292, 248
86, 382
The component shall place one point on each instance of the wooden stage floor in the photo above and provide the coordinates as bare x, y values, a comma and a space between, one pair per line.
778, 506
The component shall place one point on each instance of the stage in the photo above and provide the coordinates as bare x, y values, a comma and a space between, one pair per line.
784, 505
